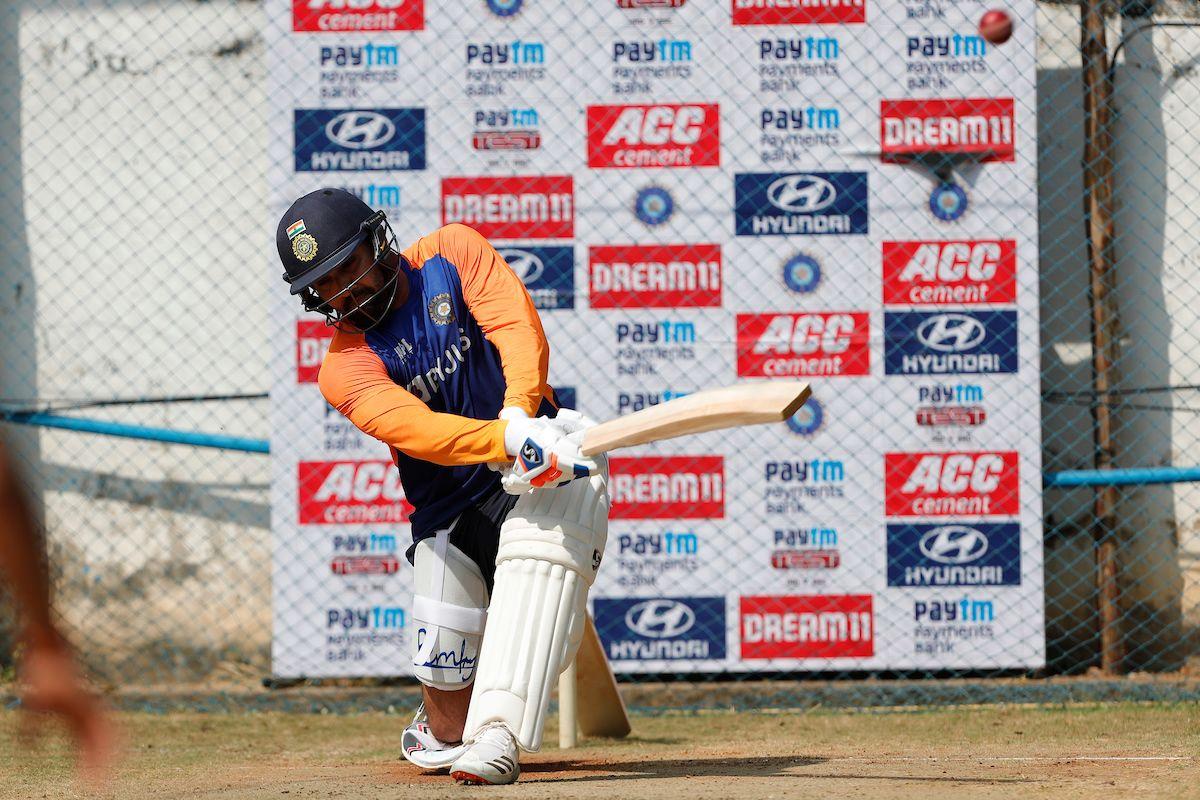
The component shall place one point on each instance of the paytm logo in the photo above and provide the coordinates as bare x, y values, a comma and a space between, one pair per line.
799, 118
954, 46
966, 609
629, 402
803, 48
514, 52
369, 618
376, 195
668, 543
365, 56
818, 470
663, 332
670, 51
950, 393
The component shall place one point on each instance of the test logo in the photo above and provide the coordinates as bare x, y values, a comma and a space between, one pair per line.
953, 484
655, 276
779, 204
795, 345
506, 129
629, 136
328, 140
351, 493
799, 12
512, 207
808, 626
357, 16
312, 342
950, 343
982, 127
965, 272
667, 487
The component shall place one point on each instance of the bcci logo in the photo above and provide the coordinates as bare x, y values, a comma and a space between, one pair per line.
948, 202
653, 205
808, 419
304, 247
802, 273
505, 8
441, 310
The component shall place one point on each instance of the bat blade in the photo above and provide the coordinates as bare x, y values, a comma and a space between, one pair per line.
707, 410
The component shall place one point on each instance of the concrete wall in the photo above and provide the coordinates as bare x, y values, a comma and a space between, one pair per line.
142, 137
144, 267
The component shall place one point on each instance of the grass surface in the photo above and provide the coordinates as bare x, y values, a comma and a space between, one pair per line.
1114, 751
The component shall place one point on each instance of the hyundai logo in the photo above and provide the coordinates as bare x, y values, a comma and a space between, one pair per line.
954, 544
951, 333
360, 130
660, 619
527, 265
801, 194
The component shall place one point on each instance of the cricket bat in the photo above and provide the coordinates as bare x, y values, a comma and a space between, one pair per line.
706, 410
599, 708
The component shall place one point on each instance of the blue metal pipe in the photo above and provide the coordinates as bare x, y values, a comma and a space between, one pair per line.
1133, 476
165, 435
1136, 476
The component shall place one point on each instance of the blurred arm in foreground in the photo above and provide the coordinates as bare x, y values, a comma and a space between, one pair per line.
47, 669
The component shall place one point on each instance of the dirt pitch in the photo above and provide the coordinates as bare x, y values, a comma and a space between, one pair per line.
1093, 752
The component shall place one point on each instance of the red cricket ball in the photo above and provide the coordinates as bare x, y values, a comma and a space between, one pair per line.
996, 26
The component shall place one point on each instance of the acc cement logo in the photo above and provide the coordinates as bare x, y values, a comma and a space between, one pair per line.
360, 130
526, 264
954, 544
505, 8
653, 205
802, 273
801, 194
808, 419
951, 333
660, 619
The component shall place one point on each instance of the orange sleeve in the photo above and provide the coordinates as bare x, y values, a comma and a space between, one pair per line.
504, 310
354, 380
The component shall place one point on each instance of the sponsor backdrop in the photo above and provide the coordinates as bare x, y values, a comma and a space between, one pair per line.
696, 193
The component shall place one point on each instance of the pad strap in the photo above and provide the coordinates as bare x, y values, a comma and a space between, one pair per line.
441, 613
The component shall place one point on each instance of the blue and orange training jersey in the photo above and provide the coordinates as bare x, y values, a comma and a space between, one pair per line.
430, 380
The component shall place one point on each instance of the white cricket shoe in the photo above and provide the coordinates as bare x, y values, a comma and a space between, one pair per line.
421, 747
492, 758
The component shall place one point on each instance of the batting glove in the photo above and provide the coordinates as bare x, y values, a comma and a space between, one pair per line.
548, 453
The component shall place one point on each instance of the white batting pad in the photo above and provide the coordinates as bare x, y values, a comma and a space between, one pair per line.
449, 610
550, 548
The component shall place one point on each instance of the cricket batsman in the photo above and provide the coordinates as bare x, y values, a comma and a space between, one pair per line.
439, 353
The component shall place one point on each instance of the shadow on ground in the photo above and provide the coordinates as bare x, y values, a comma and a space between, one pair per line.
633, 768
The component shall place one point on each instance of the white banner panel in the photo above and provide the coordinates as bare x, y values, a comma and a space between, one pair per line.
843, 193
